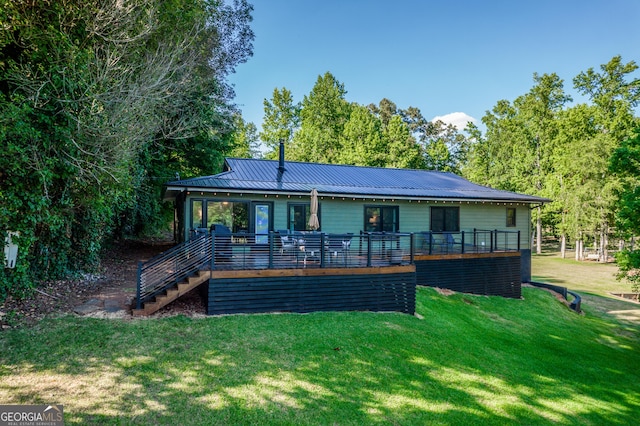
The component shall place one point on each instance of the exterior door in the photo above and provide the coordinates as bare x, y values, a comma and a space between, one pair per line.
262, 220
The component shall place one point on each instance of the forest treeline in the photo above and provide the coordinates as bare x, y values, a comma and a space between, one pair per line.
541, 144
102, 103
582, 156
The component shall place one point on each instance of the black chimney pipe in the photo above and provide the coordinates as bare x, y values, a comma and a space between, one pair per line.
281, 168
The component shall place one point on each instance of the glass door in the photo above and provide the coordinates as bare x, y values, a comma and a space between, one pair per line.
261, 222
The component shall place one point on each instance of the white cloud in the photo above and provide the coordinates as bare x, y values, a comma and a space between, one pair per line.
458, 119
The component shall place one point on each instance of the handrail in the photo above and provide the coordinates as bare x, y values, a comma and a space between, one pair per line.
172, 266
312, 249
476, 241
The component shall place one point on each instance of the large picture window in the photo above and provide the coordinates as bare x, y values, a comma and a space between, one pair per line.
445, 219
232, 214
381, 219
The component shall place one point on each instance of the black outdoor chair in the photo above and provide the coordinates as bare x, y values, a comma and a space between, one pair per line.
223, 252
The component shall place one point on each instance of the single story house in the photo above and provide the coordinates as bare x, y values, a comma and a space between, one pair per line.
463, 235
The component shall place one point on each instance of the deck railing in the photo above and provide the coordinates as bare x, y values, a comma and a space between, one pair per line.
476, 241
311, 249
308, 250
171, 267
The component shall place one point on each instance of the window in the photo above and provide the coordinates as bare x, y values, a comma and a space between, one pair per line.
298, 216
445, 219
196, 214
234, 215
381, 219
511, 217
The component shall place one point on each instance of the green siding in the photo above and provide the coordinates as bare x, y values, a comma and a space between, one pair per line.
347, 215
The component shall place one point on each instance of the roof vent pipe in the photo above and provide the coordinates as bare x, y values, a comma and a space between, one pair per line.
281, 168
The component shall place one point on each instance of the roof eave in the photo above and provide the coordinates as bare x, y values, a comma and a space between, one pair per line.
172, 191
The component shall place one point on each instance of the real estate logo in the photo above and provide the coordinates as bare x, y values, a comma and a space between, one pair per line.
31, 415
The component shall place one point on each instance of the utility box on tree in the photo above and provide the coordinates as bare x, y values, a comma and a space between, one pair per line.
10, 251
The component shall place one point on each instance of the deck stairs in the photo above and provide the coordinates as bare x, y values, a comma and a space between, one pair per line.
173, 293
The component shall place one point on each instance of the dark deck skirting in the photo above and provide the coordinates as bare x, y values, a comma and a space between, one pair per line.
308, 290
492, 274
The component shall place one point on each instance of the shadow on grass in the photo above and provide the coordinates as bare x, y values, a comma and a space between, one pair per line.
471, 360
548, 280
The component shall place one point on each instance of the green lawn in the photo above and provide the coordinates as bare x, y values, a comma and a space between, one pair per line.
464, 360
593, 281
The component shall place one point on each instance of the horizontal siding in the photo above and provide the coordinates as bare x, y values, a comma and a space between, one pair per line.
491, 275
383, 292
343, 214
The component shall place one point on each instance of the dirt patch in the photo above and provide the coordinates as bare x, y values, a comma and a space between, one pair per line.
555, 294
106, 294
444, 291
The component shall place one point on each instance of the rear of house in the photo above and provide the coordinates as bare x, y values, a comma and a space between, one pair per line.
453, 233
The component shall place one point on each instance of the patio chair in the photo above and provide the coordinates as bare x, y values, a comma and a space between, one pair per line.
346, 247
450, 241
312, 246
287, 244
426, 245
338, 245
223, 252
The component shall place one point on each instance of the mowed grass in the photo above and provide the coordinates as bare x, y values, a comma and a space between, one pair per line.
464, 360
592, 280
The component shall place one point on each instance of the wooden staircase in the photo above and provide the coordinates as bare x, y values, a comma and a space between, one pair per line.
173, 293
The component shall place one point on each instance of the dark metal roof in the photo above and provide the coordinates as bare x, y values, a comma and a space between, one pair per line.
262, 176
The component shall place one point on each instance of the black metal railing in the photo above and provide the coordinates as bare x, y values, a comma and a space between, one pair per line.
310, 249
171, 267
476, 241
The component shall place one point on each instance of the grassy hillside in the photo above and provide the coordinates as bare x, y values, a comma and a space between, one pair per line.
464, 359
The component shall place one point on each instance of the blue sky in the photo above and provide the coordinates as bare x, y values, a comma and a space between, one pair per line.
441, 56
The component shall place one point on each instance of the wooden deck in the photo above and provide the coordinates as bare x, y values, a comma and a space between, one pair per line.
372, 273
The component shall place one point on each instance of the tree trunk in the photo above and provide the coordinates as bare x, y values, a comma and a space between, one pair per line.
563, 246
604, 242
578, 249
539, 231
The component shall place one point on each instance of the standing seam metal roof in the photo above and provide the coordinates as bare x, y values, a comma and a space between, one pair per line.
251, 175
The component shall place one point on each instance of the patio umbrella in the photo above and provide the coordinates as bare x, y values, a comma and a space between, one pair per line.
314, 223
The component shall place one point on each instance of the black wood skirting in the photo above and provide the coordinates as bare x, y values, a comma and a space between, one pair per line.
491, 275
368, 292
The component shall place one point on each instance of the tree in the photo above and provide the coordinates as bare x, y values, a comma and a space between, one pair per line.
625, 163
281, 120
244, 139
614, 98
402, 150
361, 140
91, 95
323, 116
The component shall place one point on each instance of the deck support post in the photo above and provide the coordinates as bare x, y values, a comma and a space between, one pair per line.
411, 248
430, 242
322, 250
518, 240
271, 247
490, 241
